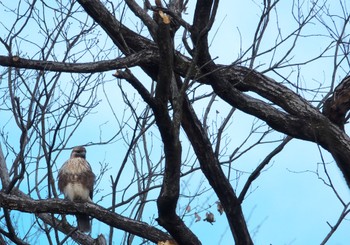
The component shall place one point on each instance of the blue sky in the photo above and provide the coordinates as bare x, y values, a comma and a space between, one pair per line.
288, 204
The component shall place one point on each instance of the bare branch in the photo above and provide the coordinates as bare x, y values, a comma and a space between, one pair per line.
255, 174
63, 207
132, 60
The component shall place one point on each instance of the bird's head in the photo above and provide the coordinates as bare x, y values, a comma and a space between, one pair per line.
78, 151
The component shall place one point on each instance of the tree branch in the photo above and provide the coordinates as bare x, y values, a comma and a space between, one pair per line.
59, 206
125, 39
213, 172
261, 166
304, 121
136, 59
336, 106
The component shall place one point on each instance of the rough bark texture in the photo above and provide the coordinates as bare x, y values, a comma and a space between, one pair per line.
337, 105
216, 177
286, 112
59, 206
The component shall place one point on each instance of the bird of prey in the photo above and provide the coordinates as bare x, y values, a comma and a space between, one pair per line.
76, 181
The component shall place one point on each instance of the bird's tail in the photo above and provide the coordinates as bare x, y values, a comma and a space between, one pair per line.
84, 223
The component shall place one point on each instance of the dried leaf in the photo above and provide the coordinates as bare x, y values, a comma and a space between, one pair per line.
198, 218
188, 209
209, 217
220, 207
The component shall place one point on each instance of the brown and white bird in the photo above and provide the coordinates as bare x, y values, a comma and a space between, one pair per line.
76, 182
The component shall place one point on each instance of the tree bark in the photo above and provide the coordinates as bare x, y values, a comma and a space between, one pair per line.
58, 206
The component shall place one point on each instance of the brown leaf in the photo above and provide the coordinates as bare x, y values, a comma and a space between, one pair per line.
209, 217
198, 218
220, 207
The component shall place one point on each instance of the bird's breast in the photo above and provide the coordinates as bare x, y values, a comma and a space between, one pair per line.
75, 191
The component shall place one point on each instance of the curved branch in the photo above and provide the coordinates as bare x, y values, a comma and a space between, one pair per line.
301, 120
136, 59
341, 218
59, 206
142, 14
126, 40
258, 170
246, 79
213, 172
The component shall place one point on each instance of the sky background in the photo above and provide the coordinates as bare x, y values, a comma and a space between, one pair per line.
288, 204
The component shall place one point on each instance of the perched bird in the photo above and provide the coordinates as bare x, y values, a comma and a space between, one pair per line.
76, 181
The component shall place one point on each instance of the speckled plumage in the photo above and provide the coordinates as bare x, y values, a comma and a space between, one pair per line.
76, 181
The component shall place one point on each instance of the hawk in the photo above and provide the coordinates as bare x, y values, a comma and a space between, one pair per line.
76, 181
